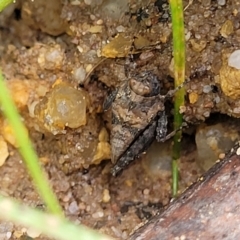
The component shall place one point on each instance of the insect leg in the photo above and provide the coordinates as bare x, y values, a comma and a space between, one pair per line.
109, 100
161, 127
162, 135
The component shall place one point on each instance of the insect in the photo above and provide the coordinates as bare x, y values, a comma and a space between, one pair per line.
138, 117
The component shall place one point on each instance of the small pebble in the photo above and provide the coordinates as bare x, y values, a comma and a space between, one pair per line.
88, 2
238, 151
92, 17
82, 206
183, 237
207, 89
80, 49
120, 28
17, 234
221, 2
80, 74
62, 106
51, 58
8, 235
193, 97
187, 35
113, 9
206, 3
206, 114
66, 198
217, 99
221, 155
73, 207
212, 142
146, 191
75, 2
227, 29
97, 214
33, 233
182, 109
91, 56
3, 151
234, 59
106, 196
99, 22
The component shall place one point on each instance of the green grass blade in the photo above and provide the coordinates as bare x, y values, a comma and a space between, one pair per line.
26, 149
4, 3
51, 225
179, 75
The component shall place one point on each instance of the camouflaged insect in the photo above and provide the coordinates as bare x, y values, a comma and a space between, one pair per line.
138, 117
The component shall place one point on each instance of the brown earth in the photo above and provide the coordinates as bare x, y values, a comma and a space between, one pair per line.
39, 50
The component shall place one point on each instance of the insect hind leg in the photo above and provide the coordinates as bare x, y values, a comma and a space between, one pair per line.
161, 129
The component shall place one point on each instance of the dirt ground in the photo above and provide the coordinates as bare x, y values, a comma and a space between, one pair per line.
55, 51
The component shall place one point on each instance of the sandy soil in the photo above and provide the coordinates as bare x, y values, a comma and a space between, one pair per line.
39, 50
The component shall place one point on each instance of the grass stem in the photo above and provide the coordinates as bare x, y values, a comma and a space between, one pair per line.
179, 76
4, 3
26, 149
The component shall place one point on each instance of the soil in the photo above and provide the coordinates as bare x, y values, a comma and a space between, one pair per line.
69, 48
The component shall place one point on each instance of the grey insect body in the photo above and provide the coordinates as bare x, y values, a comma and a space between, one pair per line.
138, 117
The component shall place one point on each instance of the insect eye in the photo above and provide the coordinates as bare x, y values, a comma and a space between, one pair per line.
140, 88
146, 87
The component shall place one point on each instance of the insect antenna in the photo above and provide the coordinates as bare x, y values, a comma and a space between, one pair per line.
173, 91
87, 78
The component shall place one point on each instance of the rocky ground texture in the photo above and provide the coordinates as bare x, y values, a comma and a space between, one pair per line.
63, 57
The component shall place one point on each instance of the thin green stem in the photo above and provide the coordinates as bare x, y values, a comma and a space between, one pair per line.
26, 149
53, 226
4, 3
179, 75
